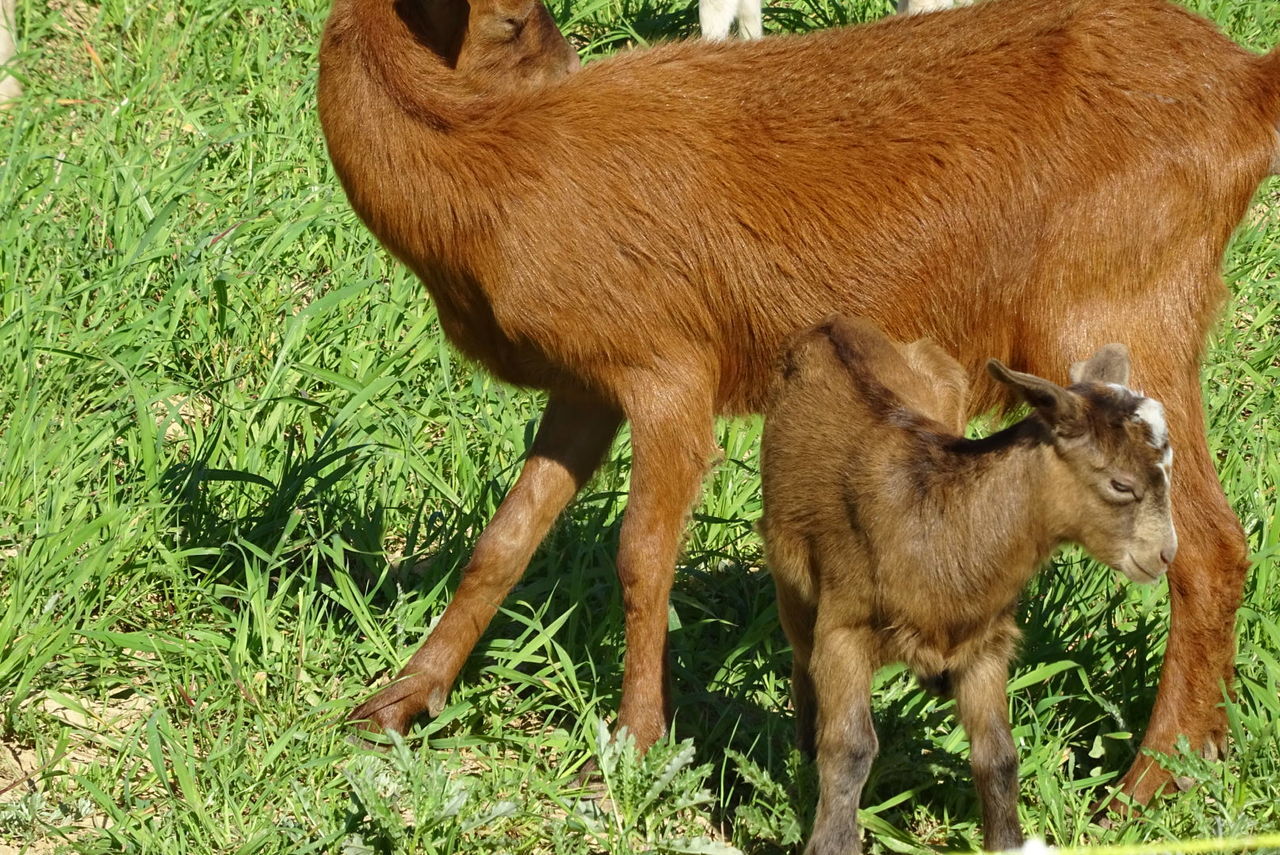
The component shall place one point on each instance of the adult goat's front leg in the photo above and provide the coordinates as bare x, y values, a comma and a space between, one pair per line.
672, 443
1206, 585
571, 440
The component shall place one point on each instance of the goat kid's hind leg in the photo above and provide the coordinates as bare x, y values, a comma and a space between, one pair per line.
788, 558
1206, 584
983, 705
797, 619
841, 670
573, 437
672, 443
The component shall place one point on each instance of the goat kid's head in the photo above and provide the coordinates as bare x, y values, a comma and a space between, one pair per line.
1114, 444
514, 41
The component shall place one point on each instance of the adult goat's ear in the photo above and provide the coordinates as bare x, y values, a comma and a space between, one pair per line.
1060, 408
1109, 365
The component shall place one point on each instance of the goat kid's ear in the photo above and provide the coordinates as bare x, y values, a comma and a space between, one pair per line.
1109, 365
1060, 407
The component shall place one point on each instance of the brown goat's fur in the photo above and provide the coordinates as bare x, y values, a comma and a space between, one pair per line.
1026, 179
892, 538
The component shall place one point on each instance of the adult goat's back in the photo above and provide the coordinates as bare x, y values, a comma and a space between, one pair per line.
1025, 179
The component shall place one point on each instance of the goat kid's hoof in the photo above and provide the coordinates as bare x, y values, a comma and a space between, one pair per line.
1112, 811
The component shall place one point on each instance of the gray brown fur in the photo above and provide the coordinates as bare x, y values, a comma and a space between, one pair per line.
893, 538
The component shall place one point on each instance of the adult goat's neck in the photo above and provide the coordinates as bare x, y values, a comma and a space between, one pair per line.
401, 55
402, 126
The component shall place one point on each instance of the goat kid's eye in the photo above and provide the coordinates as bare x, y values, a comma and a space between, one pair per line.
1121, 487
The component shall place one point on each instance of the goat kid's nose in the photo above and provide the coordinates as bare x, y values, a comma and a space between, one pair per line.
1168, 554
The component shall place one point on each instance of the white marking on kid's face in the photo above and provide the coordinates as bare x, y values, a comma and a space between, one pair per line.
1152, 412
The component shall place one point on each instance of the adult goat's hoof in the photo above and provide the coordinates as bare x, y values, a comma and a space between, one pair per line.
393, 708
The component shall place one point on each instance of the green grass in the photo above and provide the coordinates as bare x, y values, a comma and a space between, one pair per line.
240, 471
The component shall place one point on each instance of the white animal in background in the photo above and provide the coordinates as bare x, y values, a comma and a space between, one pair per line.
717, 16
911, 7
10, 88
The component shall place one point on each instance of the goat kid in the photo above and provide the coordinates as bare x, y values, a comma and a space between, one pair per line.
892, 538
10, 88
1017, 178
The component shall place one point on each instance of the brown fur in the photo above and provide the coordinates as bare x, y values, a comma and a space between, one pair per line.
890, 538
1022, 178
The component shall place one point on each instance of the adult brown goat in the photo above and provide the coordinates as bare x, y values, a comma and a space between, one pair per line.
1024, 179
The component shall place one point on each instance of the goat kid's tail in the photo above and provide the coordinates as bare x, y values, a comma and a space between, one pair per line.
857, 349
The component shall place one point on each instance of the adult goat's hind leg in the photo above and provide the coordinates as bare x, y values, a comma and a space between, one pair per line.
750, 25
1206, 584
672, 443
573, 437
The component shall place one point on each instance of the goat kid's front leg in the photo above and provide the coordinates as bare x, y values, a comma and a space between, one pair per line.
983, 705
672, 443
841, 670
573, 437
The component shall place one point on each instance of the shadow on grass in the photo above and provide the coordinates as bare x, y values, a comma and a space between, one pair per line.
226, 519
729, 660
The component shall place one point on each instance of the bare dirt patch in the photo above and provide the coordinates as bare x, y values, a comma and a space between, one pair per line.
37, 787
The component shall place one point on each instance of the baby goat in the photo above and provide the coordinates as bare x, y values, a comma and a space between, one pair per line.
893, 538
